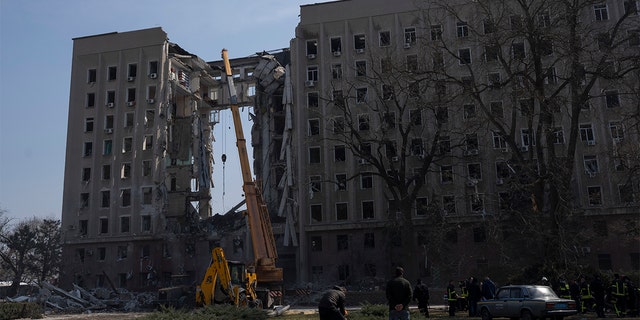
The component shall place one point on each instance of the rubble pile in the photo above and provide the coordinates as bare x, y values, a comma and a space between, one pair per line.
80, 300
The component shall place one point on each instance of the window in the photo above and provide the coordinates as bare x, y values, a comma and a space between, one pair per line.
385, 38
341, 181
146, 168
149, 117
446, 174
385, 65
442, 115
389, 120
369, 240
108, 122
112, 73
527, 137
504, 202
620, 164
368, 211
498, 141
148, 142
147, 195
104, 225
469, 111
517, 51
361, 68
336, 46
516, 22
127, 144
361, 95
422, 206
131, 95
314, 155
316, 213
312, 48
338, 124
464, 56
342, 212
314, 127
111, 98
106, 172
526, 106
91, 75
87, 149
601, 12
412, 63
617, 131
91, 100
471, 142
338, 98
544, 19
84, 200
132, 71
436, 32
343, 272
125, 196
480, 235
416, 147
496, 109
315, 183
558, 135
363, 122
146, 223
462, 29
125, 171
312, 73
391, 149
125, 224
316, 244
88, 124
631, 7
448, 204
595, 195
590, 164
366, 180
340, 153
546, 47
312, 99
444, 145
359, 42
612, 98
410, 35
415, 116
153, 69
476, 203
122, 253
475, 171
336, 71
626, 193
586, 133
495, 81
503, 170
491, 53
128, 119
489, 26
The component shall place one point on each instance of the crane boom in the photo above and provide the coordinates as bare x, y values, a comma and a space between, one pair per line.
262, 238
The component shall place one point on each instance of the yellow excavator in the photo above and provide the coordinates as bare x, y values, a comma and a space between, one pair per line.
234, 282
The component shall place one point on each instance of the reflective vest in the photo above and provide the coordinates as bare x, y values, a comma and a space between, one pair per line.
564, 291
585, 291
451, 294
618, 289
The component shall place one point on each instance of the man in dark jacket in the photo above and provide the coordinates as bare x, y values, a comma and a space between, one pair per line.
399, 296
331, 306
474, 296
421, 295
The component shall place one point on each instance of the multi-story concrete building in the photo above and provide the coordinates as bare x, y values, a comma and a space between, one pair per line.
389, 93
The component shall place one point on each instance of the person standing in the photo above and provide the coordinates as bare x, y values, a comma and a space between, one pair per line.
421, 295
399, 295
488, 289
598, 292
474, 296
331, 306
452, 297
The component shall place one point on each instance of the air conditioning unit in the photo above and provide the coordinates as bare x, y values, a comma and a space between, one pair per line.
130, 79
108, 130
407, 45
524, 148
362, 161
591, 142
311, 56
394, 159
359, 50
153, 75
337, 53
151, 101
309, 83
131, 103
499, 182
110, 105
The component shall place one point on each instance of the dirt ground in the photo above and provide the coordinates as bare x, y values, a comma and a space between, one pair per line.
96, 316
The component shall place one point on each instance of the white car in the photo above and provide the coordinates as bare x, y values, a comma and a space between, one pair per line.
526, 302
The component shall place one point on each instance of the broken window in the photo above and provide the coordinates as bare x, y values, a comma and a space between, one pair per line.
88, 124
469, 111
586, 133
342, 241
86, 174
389, 120
361, 68
368, 211
336, 71
104, 225
527, 137
112, 73
503, 170
106, 172
312, 100
128, 119
336, 46
132, 71
517, 51
91, 100
422, 204
91, 75
314, 155
410, 35
125, 196
341, 181
558, 135
312, 48
125, 226
361, 95
369, 240
148, 142
87, 149
464, 56
147, 195
84, 200
340, 153
446, 174
342, 212
338, 124
475, 171
146, 168
359, 42
385, 38
131, 96
366, 180
122, 252
316, 213
316, 244
591, 164
149, 117
127, 144
315, 183
449, 204
595, 195
146, 223
416, 147
612, 98
153, 69
314, 127
617, 131
444, 145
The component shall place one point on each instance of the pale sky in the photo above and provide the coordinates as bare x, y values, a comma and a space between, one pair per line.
35, 65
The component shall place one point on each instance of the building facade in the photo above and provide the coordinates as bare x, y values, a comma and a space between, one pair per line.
461, 96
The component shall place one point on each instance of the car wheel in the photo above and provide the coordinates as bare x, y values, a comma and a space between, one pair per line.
526, 315
485, 314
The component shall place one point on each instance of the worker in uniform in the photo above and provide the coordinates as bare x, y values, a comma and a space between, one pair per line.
563, 289
421, 296
618, 295
331, 306
598, 292
632, 298
586, 299
452, 298
463, 297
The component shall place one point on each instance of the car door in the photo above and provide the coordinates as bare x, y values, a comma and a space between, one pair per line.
501, 301
514, 304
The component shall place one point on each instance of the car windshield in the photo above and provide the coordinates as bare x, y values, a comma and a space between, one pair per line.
542, 293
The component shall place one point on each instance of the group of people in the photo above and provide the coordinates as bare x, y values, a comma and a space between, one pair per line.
621, 296
468, 293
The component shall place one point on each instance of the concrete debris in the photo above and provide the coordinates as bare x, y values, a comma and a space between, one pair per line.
80, 300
